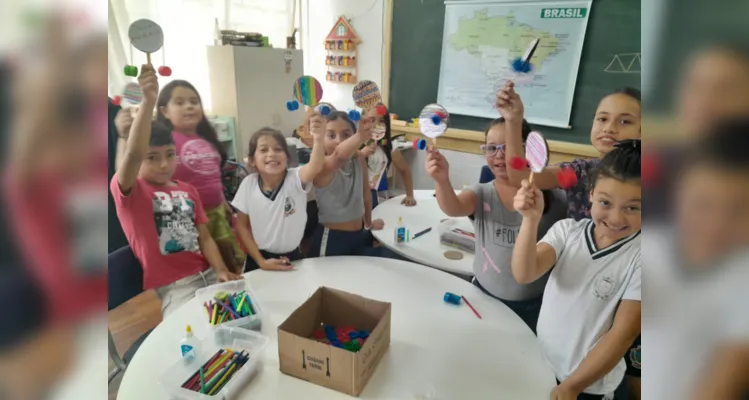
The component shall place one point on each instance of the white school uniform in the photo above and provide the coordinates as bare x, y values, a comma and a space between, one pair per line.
277, 225
690, 314
582, 295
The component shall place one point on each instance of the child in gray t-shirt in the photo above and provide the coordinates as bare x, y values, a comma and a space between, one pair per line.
497, 228
496, 221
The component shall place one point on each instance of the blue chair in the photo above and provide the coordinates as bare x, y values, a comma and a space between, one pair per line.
486, 175
125, 282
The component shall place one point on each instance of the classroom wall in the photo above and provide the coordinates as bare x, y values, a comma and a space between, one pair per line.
318, 17
465, 169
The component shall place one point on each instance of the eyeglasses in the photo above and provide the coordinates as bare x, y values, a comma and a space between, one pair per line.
491, 149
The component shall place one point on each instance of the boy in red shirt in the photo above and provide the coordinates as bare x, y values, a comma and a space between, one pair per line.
163, 219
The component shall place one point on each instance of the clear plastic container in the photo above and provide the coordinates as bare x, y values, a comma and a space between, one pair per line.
222, 337
206, 294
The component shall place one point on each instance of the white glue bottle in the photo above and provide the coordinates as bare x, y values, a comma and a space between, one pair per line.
400, 232
189, 345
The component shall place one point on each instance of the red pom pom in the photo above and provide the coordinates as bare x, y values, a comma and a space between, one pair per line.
318, 334
165, 71
567, 178
117, 100
381, 109
441, 115
518, 163
650, 170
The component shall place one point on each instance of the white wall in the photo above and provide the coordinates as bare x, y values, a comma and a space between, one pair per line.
367, 19
318, 17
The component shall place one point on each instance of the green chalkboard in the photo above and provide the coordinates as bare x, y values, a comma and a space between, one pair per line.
416, 52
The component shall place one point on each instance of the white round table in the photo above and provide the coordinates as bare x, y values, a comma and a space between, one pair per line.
425, 249
437, 351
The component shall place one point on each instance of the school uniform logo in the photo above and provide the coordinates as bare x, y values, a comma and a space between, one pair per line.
635, 356
604, 288
289, 206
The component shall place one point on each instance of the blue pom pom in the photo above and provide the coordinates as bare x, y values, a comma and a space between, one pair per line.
518, 65
324, 109
295, 104
354, 115
421, 144
436, 119
289, 106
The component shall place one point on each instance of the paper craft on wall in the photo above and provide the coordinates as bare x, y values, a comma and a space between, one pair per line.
341, 45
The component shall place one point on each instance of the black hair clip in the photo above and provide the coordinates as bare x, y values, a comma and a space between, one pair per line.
633, 143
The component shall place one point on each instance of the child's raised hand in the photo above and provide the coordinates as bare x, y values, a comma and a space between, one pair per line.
508, 102
368, 149
437, 166
123, 121
148, 83
366, 125
317, 126
529, 201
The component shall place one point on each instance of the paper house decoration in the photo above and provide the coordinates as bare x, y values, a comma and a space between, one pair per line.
341, 44
342, 32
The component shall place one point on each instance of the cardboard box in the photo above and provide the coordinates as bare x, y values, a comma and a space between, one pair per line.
326, 365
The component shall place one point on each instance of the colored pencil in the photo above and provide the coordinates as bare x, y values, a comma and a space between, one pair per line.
194, 376
473, 309
221, 381
425, 231
227, 308
241, 361
202, 380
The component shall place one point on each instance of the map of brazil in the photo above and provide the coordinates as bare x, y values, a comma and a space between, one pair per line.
481, 40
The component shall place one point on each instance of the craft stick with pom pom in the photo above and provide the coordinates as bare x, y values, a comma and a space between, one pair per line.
433, 122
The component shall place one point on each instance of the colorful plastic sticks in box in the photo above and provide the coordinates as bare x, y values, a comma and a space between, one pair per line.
228, 307
216, 372
346, 337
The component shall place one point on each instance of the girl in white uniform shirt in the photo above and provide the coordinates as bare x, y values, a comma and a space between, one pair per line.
590, 313
272, 200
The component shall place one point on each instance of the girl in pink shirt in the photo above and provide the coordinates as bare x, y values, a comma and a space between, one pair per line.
200, 159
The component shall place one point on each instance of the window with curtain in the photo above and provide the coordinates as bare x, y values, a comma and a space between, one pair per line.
189, 26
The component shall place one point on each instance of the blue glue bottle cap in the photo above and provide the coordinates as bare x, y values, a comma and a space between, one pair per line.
452, 298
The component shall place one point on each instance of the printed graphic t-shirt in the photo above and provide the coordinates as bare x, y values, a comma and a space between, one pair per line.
277, 224
161, 226
199, 164
497, 229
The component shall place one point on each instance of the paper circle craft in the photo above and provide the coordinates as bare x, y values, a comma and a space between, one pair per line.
433, 120
146, 36
307, 90
366, 95
133, 93
536, 152
379, 130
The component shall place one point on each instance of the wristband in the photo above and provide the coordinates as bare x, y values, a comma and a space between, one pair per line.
367, 227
